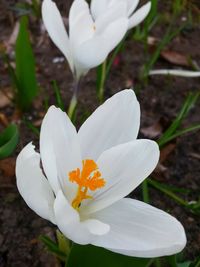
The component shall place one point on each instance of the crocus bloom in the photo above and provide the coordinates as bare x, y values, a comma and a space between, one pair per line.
90, 39
86, 175
99, 7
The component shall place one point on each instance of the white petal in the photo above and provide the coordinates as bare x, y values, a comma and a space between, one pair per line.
140, 230
115, 32
77, 8
139, 15
115, 122
92, 52
68, 221
81, 25
32, 184
110, 15
56, 29
98, 7
59, 144
123, 167
132, 4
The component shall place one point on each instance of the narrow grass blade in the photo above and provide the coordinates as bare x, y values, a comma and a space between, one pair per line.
58, 95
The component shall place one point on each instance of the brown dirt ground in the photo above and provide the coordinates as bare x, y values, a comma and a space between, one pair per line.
160, 100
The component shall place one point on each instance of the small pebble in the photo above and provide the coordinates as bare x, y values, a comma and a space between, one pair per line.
58, 60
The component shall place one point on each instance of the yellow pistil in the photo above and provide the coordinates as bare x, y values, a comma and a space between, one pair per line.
89, 178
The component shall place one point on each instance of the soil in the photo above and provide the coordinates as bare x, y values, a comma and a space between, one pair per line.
160, 101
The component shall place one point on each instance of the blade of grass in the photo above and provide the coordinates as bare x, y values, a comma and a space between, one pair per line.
180, 133
141, 32
161, 188
188, 104
59, 100
169, 35
194, 207
30, 125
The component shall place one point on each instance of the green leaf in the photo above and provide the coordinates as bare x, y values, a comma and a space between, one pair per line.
184, 264
8, 141
90, 256
27, 87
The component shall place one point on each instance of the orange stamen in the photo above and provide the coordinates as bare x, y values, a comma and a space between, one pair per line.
89, 178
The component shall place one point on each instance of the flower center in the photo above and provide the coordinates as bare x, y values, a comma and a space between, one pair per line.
88, 178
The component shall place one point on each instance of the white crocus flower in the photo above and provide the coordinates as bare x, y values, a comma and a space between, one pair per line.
86, 175
99, 7
89, 41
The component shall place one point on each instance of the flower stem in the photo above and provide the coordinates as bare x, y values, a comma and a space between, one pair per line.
74, 100
157, 262
102, 81
67, 259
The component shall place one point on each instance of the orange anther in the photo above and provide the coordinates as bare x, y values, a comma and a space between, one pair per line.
88, 178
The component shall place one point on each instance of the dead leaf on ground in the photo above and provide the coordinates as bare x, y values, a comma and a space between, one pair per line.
6, 96
176, 58
37, 123
17, 115
164, 154
166, 151
152, 131
129, 83
3, 119
169, 55
7, 167
12, 39
195, 155
160, 169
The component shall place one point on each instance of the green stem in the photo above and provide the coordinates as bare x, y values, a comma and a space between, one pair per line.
150, 263
102, 81
157, 262
67, 259
74, 100
114, 55
72, 107
172, 260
